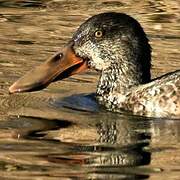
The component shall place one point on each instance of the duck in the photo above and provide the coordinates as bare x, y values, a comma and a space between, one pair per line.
115, 45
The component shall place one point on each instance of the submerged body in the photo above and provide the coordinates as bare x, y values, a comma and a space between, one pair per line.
159, 98
115, 45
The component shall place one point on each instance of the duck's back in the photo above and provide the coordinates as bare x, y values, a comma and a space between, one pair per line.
159, 98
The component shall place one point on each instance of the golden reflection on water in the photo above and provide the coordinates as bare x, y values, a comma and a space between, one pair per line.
44, 135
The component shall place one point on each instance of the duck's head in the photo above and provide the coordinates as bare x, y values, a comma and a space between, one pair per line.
104, 41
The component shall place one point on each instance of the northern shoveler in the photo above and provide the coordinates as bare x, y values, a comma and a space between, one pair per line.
116, 45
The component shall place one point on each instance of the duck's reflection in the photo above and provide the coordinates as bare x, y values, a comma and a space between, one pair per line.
128, 142
92, 143
118, 143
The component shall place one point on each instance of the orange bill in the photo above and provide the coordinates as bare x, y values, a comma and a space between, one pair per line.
60, 66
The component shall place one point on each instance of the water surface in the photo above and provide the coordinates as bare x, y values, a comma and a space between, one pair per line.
61, 132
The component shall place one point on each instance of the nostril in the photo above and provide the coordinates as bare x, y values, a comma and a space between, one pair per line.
57, 57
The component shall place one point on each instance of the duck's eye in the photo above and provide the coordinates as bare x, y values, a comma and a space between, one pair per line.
98, 34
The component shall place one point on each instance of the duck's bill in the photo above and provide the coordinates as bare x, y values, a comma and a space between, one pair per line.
60, 66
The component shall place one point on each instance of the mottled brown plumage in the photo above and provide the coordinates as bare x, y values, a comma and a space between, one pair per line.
159, 98
123, 55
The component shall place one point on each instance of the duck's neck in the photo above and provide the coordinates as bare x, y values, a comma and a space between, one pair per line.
130, 66
116, 81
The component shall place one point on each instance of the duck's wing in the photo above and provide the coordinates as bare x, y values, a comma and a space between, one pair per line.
159, 98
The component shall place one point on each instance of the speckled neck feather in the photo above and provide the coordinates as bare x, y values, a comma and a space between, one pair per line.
131, 69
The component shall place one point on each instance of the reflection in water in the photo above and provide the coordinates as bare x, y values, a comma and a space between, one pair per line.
119, 143
98, 144
59, 134
73, 142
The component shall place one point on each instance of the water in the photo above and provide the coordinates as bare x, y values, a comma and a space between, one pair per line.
61, 132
